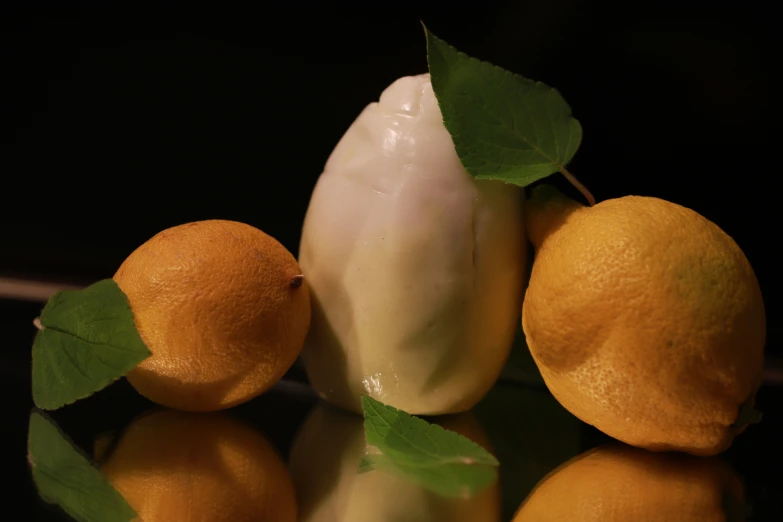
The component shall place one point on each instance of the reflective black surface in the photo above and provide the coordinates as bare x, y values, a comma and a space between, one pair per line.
530, 433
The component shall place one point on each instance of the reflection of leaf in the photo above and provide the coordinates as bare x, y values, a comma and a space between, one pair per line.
65, 477
88, 339
440, 460
531, 434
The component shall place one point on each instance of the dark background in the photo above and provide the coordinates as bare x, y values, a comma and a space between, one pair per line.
117, 121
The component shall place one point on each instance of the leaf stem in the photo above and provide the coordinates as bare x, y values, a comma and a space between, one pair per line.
581, 188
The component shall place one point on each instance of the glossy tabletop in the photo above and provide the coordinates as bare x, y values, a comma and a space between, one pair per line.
519, 421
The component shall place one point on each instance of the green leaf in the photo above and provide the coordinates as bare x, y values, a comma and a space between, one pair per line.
437, 459
87, 340
504, 126
67, 478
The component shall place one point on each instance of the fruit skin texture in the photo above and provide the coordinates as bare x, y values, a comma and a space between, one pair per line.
329, 489
217, 304
415, 268
645, 319
200, 467
615, 483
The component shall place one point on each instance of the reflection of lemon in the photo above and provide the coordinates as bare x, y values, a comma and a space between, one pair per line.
623, 484
645, 319
324, 460
185, 467
223, 309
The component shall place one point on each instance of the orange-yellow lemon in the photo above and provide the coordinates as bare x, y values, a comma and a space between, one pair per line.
645, 319
222, 306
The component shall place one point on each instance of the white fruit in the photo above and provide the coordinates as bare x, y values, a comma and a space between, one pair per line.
324, 460
416, 268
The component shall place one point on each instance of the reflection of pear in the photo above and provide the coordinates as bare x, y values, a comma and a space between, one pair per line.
620, 483
177, 466
324, 461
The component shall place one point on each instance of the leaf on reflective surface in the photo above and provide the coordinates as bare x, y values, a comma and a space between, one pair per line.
87, 340
70, 480
437, 459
